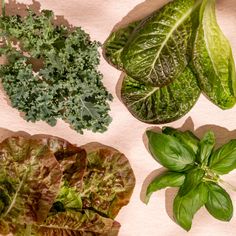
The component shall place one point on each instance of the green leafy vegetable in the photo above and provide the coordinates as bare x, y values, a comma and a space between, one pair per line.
192, 180
213, 60
223, 160
155, 54
219, 203
116, 42
186, 206
160, 105
187, 138
194, 167
69, 197
168, 179
166, 61
169, 151
206, 146
54, 73
51, 187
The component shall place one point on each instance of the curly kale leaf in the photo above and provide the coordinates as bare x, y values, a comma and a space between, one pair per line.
52, 72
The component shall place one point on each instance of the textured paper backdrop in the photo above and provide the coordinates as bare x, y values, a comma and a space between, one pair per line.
98, 17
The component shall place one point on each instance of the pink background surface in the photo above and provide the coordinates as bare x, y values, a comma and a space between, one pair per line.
98, 17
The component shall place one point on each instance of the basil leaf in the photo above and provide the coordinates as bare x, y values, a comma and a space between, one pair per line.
213, 60
186, 206
219, 203
192, 180
160, 105
187, 138
223, 160
206, 146
168, 179
157, 52
169, 151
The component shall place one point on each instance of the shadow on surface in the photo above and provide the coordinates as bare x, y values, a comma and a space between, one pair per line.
15, 8
139, 12
222, 135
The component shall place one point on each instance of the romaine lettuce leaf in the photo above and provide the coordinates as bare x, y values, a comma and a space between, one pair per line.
159, 49
160, 105
213, 60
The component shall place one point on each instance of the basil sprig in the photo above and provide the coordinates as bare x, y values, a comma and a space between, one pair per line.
194, 166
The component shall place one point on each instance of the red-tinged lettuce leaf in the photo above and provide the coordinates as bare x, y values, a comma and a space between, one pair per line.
72, 159
4, 227
30, 178
87, 223
109, 179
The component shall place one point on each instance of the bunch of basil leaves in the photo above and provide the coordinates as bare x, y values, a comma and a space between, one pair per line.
51, 187
195, 167
170, 57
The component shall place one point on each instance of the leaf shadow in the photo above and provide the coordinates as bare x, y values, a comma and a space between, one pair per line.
15, 8
223, 135
140, 11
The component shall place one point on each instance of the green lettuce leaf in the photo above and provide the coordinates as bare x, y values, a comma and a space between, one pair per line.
108, 182
156, 105
213, 60
68, 198
158, 51
115, 43
30, 178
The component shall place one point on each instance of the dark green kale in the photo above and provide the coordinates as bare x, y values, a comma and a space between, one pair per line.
52, 72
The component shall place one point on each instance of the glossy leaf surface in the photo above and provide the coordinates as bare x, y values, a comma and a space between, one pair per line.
167, 179
206, 147
187, 138
213, 60
157, 52
160, 105
186, 206
223, 160
169, 151
219, 203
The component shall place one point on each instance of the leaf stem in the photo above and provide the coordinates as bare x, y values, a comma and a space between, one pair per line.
210, 180
226, 184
